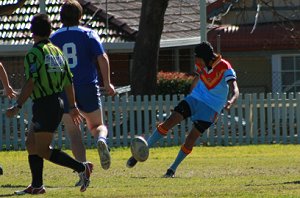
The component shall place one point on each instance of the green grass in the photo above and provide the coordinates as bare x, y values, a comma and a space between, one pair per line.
239, 171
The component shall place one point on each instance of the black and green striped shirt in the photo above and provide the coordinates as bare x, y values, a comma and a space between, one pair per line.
48, 68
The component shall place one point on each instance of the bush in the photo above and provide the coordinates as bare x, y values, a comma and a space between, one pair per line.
169, 83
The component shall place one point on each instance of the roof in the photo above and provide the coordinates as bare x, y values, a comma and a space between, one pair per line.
117, 21
15, 28
182, 17
266, 36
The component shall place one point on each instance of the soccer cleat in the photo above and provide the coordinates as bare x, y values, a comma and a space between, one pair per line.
31, 190
169, 174
104, 154
131, 162
1, 170
85, 175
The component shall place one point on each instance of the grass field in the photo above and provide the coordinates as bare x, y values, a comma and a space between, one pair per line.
239, 171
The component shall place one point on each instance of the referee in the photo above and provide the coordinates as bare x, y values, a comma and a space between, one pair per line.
47, 75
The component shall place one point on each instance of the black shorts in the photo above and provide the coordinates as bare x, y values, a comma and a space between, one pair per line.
184, 109
47, 113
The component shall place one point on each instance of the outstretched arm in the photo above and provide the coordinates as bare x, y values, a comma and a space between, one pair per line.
233, 95
10, 8
4, 79
73, 110
103, 63
23, 96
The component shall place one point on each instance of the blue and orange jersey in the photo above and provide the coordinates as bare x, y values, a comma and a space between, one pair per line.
212, 87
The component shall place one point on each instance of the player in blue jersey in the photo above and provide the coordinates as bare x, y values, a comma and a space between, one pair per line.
85, 54
208, 97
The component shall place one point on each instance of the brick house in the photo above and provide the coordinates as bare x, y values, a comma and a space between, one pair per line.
258, 54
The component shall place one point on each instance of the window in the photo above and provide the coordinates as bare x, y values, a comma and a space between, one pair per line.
286, 73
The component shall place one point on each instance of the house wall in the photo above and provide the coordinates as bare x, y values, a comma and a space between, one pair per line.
120, 69
253, 68
14, 67
167, 60
254, 72
15, 70
276, 10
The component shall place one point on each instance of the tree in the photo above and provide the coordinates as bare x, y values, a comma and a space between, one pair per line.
146, 49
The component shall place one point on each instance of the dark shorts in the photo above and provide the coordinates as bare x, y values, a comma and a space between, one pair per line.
47, 113
201, 115
87, 98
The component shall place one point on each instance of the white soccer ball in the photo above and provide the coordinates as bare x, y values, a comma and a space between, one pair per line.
139, 148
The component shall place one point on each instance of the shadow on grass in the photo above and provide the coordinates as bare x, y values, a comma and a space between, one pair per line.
7, 195
11, 186
136, 177
21, 187
292, 182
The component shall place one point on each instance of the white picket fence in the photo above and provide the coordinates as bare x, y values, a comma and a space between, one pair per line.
255, 119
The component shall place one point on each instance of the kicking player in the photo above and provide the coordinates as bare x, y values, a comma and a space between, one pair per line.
208, 97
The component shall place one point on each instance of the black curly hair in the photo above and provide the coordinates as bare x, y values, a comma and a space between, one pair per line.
205, 51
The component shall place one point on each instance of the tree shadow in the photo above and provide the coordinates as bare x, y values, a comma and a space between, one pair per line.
10, 186
292, 182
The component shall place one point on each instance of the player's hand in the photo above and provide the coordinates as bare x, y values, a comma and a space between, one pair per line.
12, 111
228, 105
76, 116
10, 93
110, 90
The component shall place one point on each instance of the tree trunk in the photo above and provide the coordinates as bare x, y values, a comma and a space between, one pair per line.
146, 49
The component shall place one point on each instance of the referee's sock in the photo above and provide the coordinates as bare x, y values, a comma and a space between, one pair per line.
36, 164
61, 158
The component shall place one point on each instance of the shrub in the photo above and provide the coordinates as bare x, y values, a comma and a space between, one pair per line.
169, 83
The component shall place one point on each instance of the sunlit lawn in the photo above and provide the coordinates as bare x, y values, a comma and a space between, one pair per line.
239, 171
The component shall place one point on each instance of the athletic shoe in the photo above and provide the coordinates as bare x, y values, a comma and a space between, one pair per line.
104, 154
169, 174
85, 175
131, 162
1, 170
31, 190
80, 182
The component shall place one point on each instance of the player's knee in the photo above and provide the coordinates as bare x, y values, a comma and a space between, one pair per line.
101, 129
183, 109
201, 126
30, 146
44, 152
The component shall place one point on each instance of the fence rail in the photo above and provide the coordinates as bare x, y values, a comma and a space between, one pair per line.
254, 119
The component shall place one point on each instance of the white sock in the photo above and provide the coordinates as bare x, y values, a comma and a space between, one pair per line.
103, 139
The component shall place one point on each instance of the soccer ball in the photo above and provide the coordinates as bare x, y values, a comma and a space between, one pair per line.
139, 148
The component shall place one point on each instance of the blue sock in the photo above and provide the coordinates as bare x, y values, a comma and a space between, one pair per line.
180, 157
154, 138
